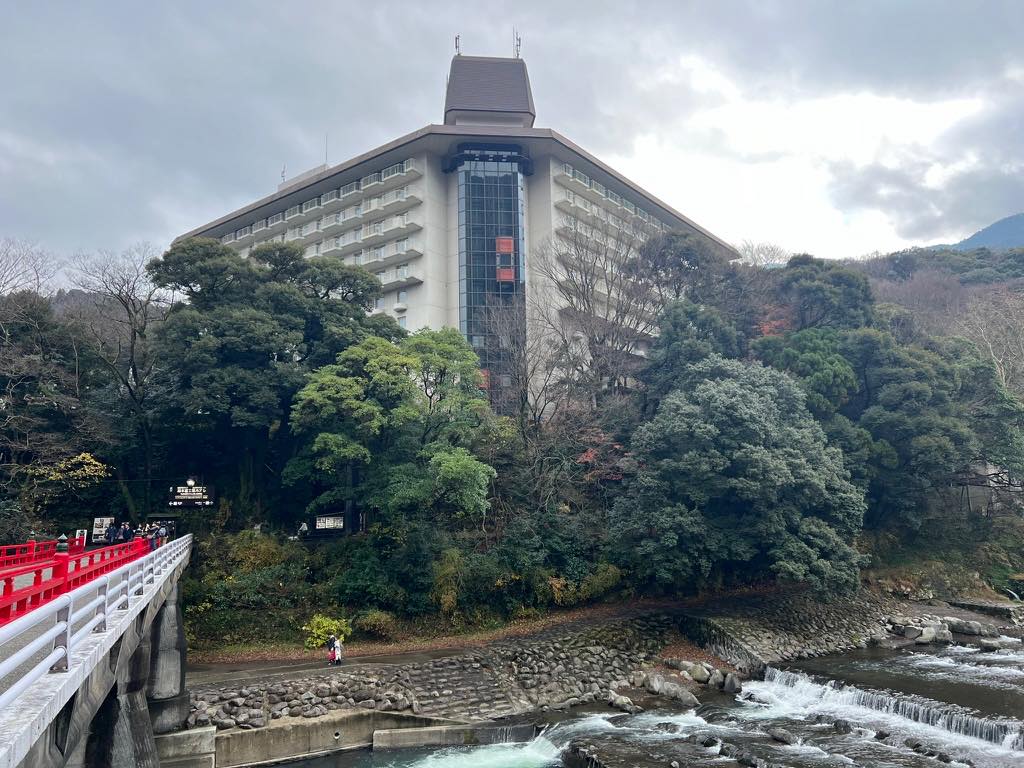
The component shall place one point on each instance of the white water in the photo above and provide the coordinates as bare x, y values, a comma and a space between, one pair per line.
987, 669
795, 695
792, 701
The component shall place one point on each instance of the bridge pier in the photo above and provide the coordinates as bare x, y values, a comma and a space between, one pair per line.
132, 745
165, 691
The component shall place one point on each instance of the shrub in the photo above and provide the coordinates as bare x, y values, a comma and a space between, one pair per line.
321, 627
603, 580
376, 623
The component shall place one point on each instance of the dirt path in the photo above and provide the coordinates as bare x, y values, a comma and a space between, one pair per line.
268, 657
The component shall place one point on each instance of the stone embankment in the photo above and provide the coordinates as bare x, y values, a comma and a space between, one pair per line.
557, 669
752, 632
579, 663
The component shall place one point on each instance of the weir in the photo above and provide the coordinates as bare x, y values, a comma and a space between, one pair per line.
947, 717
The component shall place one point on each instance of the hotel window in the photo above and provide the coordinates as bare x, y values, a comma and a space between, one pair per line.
403, 296
402, 271
348, 189
311, 204
401, 321
378, 252
402, 245
378, 303
293, 211
277, 218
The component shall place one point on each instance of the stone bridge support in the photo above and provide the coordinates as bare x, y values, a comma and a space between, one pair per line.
165, 691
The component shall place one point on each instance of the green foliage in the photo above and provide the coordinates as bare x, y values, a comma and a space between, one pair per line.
824, 294
688, 334
319, 629
252, 331
377, 624
391, 424
738, 480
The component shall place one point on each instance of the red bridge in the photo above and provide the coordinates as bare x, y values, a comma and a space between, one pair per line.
34, 573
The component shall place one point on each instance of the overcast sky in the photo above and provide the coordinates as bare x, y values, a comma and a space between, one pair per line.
834, 128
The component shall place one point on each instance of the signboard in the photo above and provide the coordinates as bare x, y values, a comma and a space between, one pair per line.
330, 523
191, 494
99, 528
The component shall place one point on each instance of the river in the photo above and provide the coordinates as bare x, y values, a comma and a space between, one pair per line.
961, 705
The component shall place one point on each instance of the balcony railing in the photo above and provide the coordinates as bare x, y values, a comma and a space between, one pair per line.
387, 201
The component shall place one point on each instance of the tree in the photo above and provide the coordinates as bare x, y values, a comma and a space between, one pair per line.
594, 305
825, 294
242, 347
122, 310
738, 482
25, 266
389, 424
764, 255
689, 334
44, 372
994, 322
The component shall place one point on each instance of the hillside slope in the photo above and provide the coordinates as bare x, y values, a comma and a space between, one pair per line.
1005, 233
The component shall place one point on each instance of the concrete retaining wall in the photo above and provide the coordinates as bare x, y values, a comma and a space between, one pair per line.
295, 737
188, 749
451, 736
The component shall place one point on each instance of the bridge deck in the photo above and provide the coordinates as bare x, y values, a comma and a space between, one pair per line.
29, 715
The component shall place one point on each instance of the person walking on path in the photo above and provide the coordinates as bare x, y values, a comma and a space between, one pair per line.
330, 649
111, 533
339, 651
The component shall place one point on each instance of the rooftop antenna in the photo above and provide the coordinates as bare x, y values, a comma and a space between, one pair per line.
326, 134
282, 171
458, 46
517, 42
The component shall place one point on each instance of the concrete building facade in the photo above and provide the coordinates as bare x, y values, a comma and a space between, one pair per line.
447, 217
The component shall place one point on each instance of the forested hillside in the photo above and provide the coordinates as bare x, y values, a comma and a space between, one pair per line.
790, 425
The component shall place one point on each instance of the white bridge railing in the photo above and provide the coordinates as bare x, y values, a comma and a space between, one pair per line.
60, 626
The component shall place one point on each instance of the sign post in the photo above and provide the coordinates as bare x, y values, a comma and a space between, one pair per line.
99, 529
190, 495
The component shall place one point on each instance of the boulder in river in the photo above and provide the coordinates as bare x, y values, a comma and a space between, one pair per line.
732, 684
782, 735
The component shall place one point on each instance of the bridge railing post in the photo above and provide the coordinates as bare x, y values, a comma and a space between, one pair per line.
101, 609
63, 639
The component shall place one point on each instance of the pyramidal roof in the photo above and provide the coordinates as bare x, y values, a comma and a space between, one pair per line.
485, 88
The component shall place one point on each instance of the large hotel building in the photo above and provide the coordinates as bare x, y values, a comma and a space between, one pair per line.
447, 217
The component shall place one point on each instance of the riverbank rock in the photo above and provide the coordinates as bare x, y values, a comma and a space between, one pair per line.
732, 684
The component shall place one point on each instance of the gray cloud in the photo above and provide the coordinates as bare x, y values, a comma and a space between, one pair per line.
128, 120
988, 185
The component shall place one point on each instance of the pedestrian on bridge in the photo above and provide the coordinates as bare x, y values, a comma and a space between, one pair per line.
111, 533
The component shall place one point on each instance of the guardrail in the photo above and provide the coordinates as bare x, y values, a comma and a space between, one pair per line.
67, 571
53, 625
29, 552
